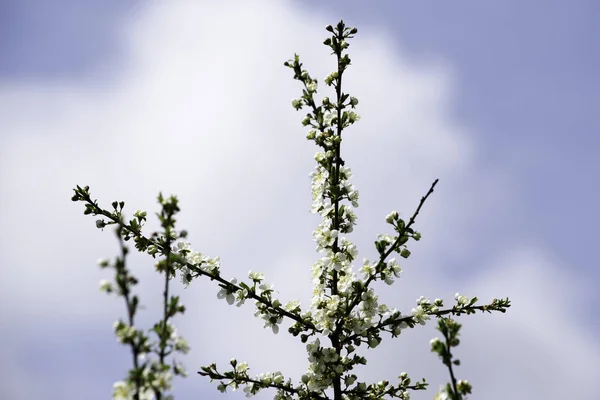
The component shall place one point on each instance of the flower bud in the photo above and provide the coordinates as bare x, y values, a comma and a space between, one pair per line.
350, 379
140, 214
105, 286
102, 262
391, 217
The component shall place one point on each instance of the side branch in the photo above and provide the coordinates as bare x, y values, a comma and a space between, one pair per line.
142, 243
395, 320
385, 255
260, 384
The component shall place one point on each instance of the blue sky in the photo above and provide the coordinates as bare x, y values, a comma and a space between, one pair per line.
497, 100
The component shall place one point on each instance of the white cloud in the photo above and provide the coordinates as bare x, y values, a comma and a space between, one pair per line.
203, 111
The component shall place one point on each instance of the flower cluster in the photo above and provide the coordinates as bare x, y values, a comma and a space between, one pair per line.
192, 264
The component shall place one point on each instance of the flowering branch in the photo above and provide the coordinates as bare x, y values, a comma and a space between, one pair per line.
344, 310
382, 270
147, 379
396, 321
124, 282
190, 264
239, 375
455, 390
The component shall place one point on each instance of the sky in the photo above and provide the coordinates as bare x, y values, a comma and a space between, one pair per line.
496, 99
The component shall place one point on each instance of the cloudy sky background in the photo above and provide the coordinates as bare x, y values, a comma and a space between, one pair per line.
192, 98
